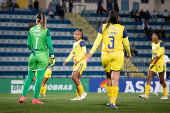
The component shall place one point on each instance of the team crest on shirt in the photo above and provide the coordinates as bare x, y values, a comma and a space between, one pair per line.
159, 66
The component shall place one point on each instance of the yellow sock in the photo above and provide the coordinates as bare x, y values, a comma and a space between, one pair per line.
109, 93
44, 90
77, 92
165, 91
115, 90
147, 87
41, 90
80, 88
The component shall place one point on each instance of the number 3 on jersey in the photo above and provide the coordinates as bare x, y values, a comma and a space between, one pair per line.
111, 46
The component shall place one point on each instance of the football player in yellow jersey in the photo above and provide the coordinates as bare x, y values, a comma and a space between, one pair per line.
78, 53
47, 75
157, 64
113, 34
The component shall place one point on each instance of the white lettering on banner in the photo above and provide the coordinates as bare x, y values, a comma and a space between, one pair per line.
129, 87
65, 87
102, 90
50, 87
141, 88
70, 87
31, 87
55, 87
60, 87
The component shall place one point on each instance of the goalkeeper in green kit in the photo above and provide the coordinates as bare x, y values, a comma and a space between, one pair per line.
38, 39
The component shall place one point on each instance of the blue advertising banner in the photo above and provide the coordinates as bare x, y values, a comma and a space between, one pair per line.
128, 85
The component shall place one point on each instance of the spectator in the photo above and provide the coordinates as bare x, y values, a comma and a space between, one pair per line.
36, 5
138, 16
30, 25
51, 14
133, 14
15, 4
154, 15
163, 33
99, 3
70, 5
100, 10
109, 5
116, 7
30, 6
149, 33
61, 13
166, 15
145, 26
120, 22
58, 7
142, 14
133, 51
147, 16
50, 7
3, 4
9, 4
64, 6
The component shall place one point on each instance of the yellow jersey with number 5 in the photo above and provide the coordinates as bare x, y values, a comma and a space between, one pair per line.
156, 49
113, 37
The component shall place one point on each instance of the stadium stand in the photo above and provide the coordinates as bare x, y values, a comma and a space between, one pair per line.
136, 35
14, 52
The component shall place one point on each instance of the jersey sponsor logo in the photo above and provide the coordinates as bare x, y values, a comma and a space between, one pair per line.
114, 33
102, 88
36, 31
35, 34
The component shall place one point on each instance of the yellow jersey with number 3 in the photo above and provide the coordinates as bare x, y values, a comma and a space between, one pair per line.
113, 37
156, 49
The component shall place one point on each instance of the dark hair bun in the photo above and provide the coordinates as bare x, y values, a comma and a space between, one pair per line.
80, 30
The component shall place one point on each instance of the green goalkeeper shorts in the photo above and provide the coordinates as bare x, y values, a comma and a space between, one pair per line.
38, 60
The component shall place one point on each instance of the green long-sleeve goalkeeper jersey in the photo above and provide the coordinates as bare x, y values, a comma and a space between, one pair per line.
38, 39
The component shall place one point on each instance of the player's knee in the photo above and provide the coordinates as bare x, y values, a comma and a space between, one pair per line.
73, 78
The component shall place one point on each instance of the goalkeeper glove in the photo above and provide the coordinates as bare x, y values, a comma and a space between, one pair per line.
52, 60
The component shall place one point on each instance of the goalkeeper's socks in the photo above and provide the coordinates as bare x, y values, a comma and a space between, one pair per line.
147, 87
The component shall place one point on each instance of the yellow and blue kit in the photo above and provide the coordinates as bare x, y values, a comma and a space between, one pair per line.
158, 50
112, 48
78, 53
47, 74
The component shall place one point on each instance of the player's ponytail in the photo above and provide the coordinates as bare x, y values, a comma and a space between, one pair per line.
43, 21
112, 18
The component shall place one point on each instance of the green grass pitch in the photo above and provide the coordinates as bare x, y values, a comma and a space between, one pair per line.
94, 103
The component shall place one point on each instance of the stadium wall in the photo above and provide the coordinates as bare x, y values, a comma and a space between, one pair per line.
66, 85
